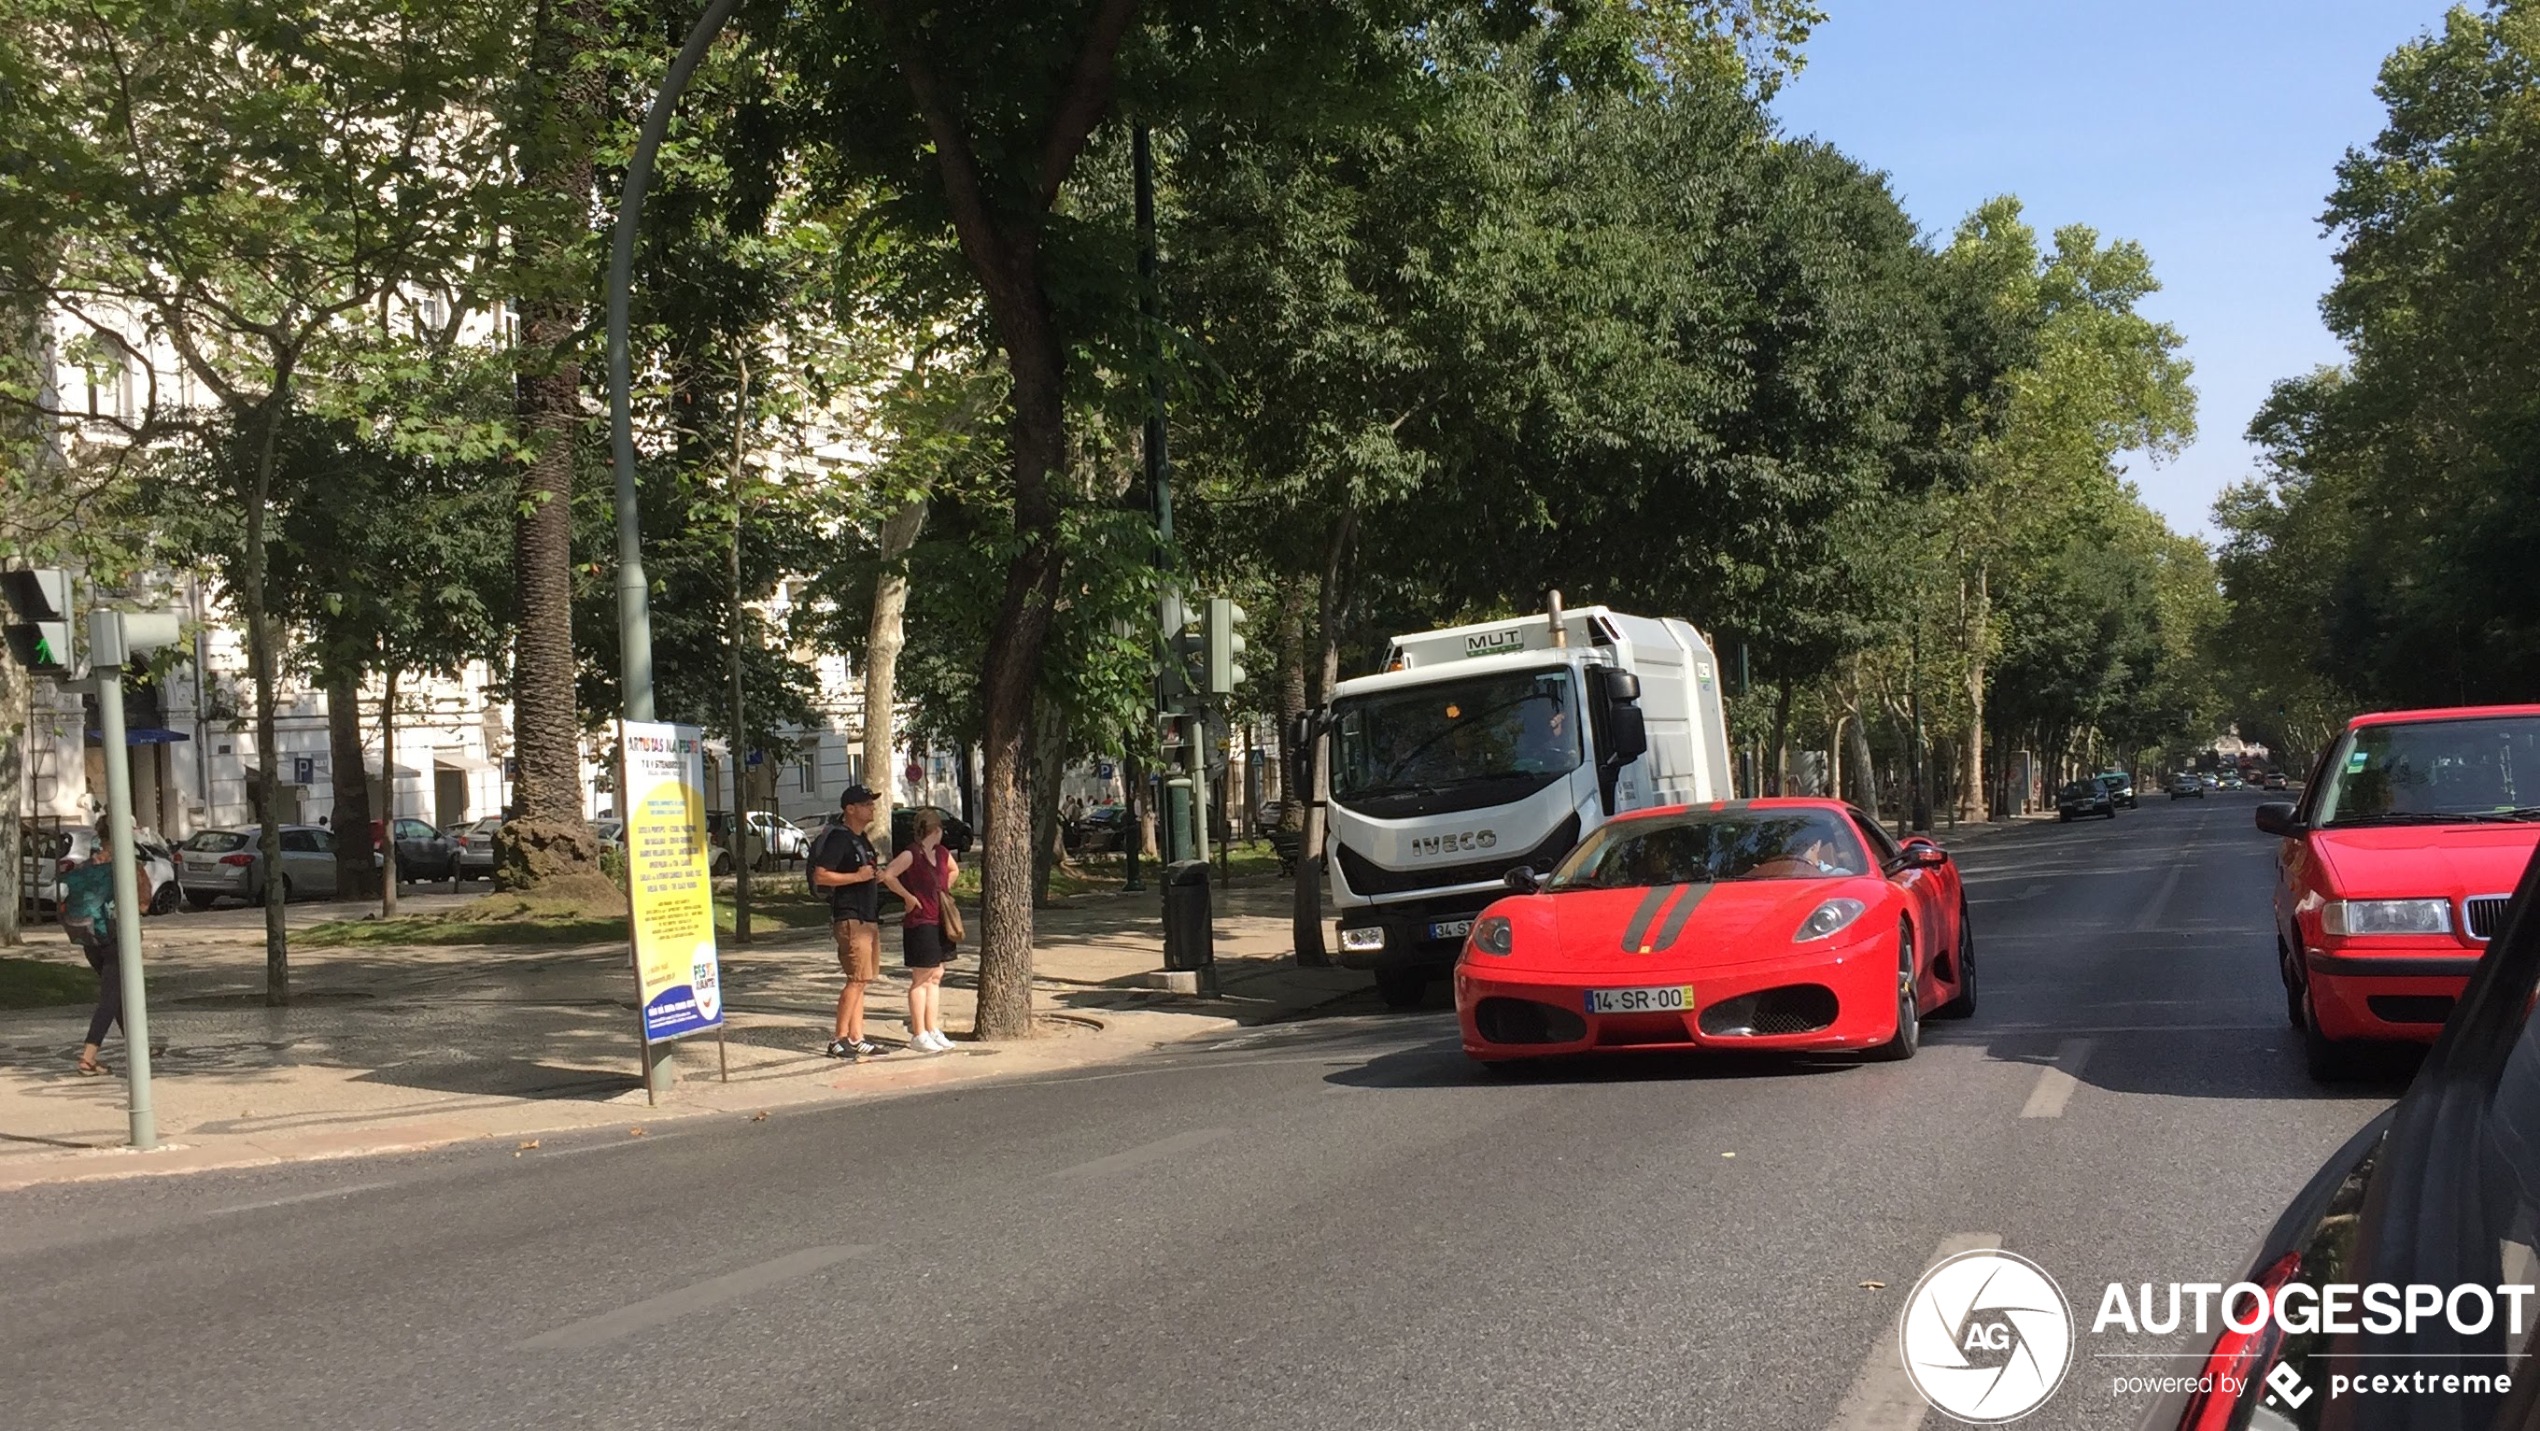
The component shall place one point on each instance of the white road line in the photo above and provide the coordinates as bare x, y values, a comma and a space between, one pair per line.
695, 1297
319, 1196
2057, 1080
1145, 1153
2149, 918
1881, 1398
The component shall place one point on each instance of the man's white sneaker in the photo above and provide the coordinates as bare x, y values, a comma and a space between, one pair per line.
937, 1041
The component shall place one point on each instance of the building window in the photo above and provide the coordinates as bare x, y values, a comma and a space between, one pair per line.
809, 768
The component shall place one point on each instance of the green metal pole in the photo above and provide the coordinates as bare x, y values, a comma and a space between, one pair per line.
136, 1014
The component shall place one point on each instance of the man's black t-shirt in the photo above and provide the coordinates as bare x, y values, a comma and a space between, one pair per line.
847, 851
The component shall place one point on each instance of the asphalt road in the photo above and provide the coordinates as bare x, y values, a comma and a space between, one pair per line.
1332, 1223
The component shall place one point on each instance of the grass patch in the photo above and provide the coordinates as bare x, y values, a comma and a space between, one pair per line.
44, 984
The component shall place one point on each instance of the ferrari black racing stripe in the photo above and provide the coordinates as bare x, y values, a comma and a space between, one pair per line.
1644, 916
1677, 916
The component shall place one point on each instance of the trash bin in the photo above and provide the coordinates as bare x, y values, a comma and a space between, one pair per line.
1189, 941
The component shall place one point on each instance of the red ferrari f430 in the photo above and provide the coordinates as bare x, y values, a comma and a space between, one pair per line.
1764, 924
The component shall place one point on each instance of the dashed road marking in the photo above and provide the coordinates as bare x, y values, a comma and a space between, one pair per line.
1145, 1153
2057, 1080
1882, 1398
695, 1297
322, 1195
2149, 917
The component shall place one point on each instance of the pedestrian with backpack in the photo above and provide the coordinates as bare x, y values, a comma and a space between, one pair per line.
846, 868
88, 917
922, 876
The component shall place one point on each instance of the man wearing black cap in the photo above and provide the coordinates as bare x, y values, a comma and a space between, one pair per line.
846, 865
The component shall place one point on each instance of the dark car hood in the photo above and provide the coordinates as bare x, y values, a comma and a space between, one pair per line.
2443, 1189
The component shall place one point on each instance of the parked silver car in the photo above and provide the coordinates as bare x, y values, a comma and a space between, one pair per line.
476, 847
49, 852
227, 864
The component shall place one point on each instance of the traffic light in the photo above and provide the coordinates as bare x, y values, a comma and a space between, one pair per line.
40, 619
1185, 648
1225, 646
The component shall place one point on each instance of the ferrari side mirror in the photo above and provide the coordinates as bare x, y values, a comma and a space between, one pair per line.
1524, 880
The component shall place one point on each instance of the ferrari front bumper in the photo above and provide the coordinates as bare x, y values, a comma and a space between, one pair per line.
1839, 996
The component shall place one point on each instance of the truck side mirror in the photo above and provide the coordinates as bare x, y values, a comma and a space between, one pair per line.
1621, 686
1626, 735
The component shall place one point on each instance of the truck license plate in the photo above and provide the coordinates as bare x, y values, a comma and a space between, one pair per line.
1450, 929
1668, 999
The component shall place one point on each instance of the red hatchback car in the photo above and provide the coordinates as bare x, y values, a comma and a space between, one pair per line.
1762, 924
2395, 868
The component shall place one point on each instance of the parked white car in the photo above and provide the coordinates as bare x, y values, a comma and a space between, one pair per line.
49, 852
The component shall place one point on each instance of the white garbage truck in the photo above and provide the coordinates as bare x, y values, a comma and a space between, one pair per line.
1478, 749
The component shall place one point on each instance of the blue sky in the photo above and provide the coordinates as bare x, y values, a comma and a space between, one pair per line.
2208, 132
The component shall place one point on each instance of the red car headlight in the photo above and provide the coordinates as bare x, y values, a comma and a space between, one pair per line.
1494, 935
2344, 917
1828, 919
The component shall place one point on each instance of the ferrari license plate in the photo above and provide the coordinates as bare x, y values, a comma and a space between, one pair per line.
1450, 929
1667, 999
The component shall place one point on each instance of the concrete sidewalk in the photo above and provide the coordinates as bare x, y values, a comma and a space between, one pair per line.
398, 1047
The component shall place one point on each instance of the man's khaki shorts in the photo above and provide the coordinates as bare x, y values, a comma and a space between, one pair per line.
859, 950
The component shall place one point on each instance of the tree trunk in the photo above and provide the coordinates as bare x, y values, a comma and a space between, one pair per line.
355, 876
1781, 738
1037, 444
1049, 759
547, 839
1305, 917
736, 757
1865, 770
1294, 596
16, 689
884, 639
260, 662
387, 791
1979, 627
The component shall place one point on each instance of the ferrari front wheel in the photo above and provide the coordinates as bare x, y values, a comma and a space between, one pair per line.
1909, 1014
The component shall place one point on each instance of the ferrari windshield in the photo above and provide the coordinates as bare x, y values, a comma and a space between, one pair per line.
2435, 771
1715, 845
1519, 728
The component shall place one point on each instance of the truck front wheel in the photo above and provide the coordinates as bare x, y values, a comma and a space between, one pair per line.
1402, 989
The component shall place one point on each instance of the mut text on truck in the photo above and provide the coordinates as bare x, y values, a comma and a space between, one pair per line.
1483, 748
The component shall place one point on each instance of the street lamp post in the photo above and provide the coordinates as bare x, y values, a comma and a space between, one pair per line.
634, 610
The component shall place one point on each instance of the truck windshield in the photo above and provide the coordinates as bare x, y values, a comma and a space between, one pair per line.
2443, 771
1497, 737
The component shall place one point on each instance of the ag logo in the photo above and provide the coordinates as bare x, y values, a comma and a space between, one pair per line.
1987, 1336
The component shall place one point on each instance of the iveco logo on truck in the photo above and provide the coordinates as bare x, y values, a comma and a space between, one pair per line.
1480, 748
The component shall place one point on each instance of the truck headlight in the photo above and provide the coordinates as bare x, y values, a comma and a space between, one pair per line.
1494, 935
1363, 939
2386, 916
1828, 919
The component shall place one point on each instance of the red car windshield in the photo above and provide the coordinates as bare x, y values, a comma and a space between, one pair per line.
1714, 846
2433, 772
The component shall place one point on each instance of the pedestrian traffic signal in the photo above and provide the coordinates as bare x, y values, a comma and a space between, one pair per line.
1225, 644
40, 619
1185, 648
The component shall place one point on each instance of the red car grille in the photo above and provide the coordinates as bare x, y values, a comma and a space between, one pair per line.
2487, 915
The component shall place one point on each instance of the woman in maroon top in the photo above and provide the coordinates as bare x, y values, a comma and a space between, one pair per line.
921, 875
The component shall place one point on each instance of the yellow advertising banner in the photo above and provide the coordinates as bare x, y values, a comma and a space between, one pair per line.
669, 887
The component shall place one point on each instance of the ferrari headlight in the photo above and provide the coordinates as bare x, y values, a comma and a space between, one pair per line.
2386, 916
1494, 936
1828, 920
